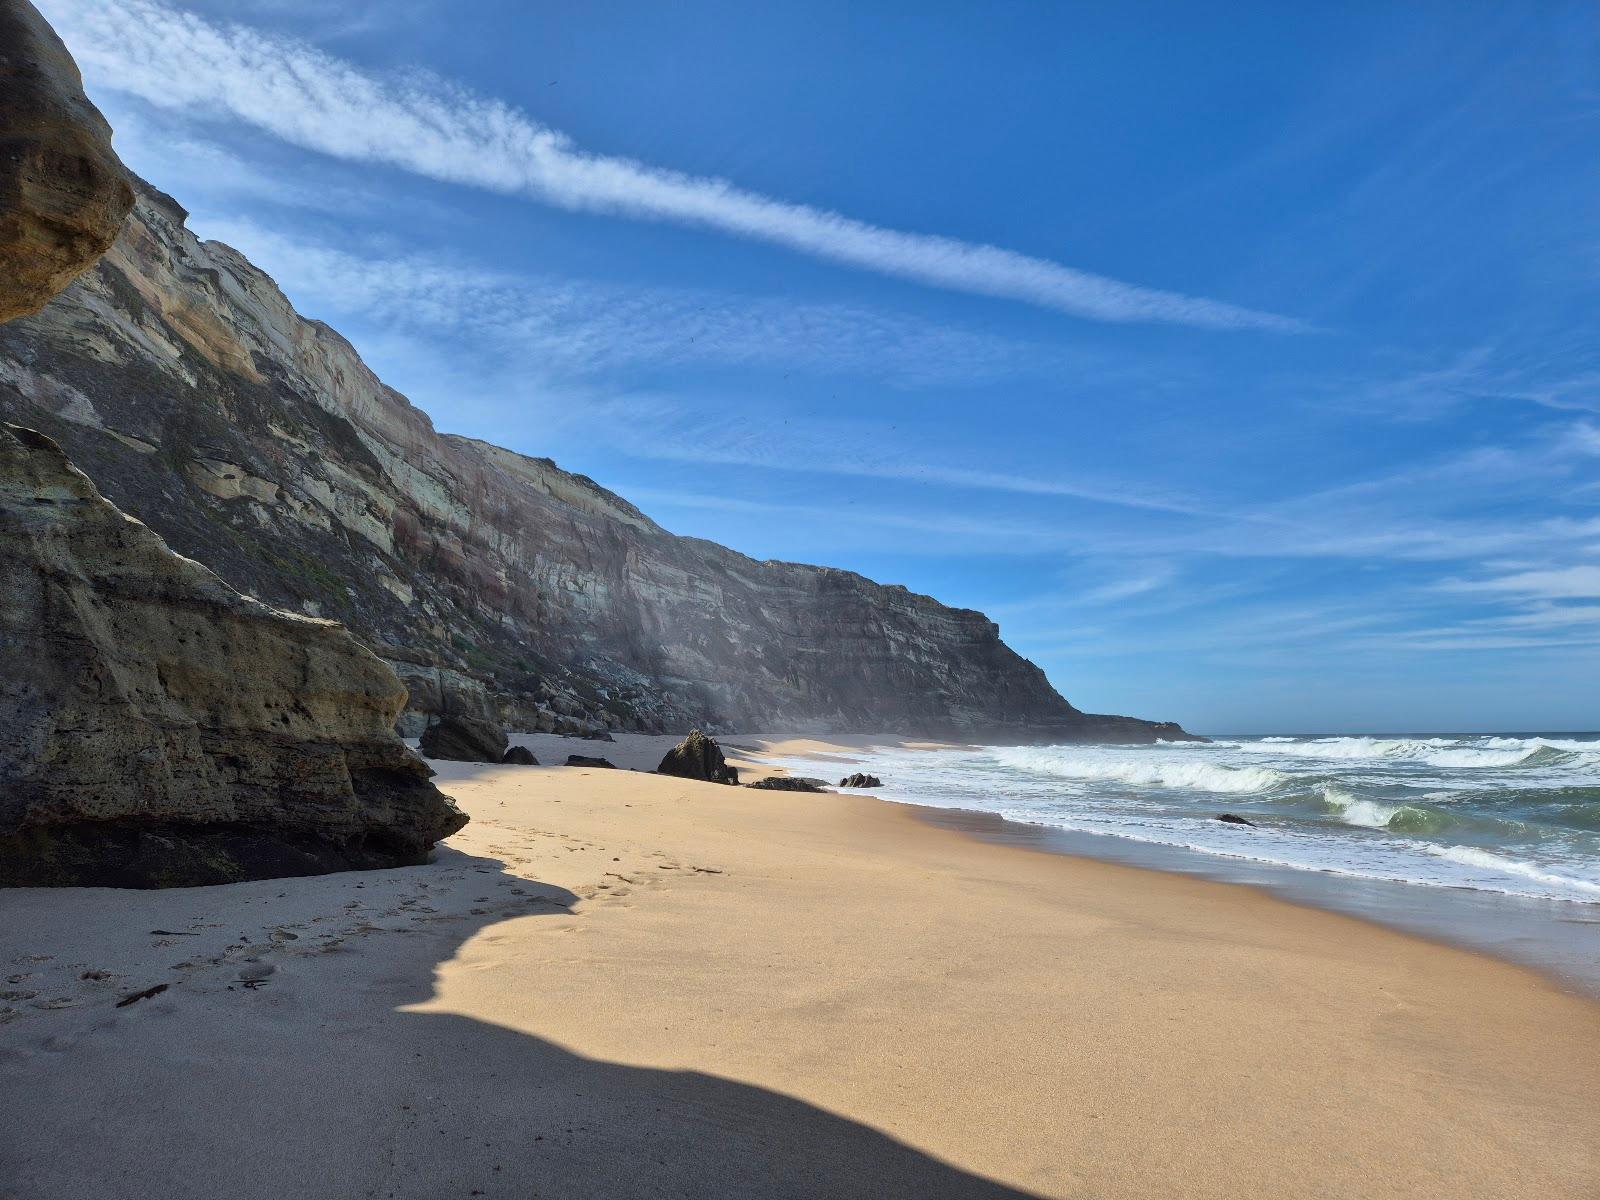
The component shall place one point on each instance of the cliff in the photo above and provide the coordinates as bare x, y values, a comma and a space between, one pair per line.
63, 191
257, 442
157, 728
162, 729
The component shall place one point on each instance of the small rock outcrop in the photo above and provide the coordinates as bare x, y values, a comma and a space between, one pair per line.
464, 739
789, 783
858, 780
698, 757
1235, 819
520, 756
63, 192
159, 729
583, 760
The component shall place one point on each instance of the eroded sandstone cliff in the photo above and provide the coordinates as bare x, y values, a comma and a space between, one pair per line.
63, 192
160, 728
257, 441
156, 727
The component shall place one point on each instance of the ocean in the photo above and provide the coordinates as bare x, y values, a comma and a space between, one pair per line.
1492, 840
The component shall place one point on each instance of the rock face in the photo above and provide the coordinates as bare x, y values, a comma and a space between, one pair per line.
63, 193
157, 728
464, 739
256, 441
698, 757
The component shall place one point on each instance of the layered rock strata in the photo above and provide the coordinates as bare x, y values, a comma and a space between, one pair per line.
157, 728
501, 587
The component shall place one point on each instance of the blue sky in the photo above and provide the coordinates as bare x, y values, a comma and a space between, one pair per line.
1242, 366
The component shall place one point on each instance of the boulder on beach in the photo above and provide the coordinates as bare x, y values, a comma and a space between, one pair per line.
858, 780
583, 760
698, 757
464, 739
159, 729
789, 783
520, 756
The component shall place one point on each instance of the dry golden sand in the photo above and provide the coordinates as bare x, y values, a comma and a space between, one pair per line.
714, 992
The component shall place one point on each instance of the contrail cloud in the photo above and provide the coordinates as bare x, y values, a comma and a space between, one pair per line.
182, 62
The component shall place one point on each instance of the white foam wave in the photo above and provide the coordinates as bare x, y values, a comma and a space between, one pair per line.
1471, 856
1145, 771
1437, 752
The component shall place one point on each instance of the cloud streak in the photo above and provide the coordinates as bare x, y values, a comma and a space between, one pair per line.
561, 331
294, 91
575, 329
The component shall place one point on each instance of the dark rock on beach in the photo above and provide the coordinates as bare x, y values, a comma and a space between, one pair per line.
464, 739
583, 760
1234, 819
789, 783
158, 729
858, 780
520, 756
698, 757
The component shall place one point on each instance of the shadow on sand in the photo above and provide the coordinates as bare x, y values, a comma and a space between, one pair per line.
321, 1086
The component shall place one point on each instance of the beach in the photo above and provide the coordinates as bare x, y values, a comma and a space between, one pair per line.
618, 984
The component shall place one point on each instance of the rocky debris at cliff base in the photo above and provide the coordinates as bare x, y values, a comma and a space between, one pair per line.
464, 739
158, 729
789, 783
698, 757
520, 756
858, 780
63, 192
582, 760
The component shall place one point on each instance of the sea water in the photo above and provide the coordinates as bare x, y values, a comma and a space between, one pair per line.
1489, 839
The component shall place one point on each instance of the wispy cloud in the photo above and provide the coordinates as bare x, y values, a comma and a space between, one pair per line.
1580, 582
294, 91
826, 450
1561, 377
554, 333
947, 530
564, 328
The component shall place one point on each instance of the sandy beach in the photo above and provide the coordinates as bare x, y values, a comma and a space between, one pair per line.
615, 984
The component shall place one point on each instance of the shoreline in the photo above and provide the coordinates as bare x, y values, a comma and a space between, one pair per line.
621, 984
1558, 939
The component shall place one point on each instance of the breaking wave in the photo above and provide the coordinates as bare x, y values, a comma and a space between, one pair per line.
1437, 751
1146, 771
1517, 814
